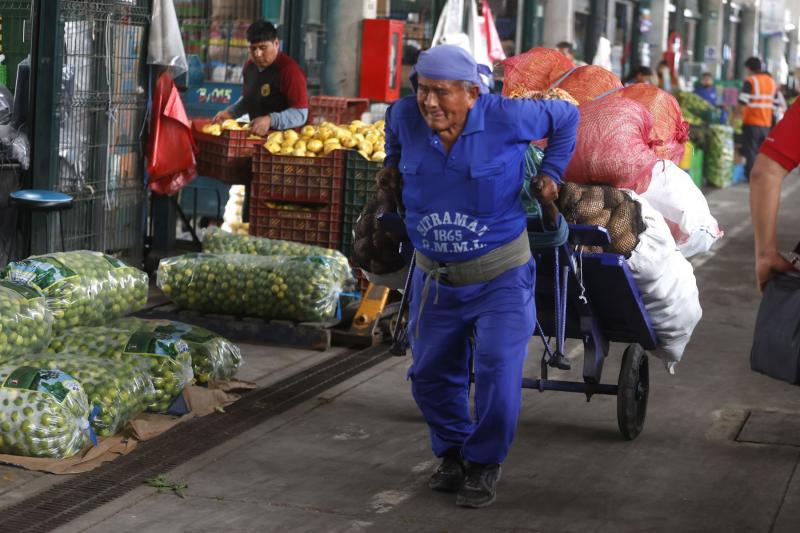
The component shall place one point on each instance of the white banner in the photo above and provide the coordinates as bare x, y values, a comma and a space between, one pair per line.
773, 16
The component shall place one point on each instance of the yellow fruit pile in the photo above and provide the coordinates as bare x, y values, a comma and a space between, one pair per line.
315, 141
230, 124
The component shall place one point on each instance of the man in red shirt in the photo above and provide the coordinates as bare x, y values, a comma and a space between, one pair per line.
274, 92
779, 155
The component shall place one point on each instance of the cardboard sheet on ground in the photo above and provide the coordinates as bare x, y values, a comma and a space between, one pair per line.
200, 400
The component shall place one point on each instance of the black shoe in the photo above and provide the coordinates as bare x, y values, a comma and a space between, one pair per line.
450, 474
480, 486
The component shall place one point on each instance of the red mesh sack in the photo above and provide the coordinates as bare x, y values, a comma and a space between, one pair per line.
613, 145
670, 131
535, 70
588, 82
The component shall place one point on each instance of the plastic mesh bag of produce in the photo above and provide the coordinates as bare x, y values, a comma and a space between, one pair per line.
165, 357
718, 161
549, 94
535, 70
684, 207
304, 289
213, 357
82, 288
604, 206
43, 413
670, 131
613, 145
664, 277
217, 241
118, 389
25, 320
588, 82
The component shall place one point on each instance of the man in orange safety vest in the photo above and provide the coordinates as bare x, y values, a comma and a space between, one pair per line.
758, 101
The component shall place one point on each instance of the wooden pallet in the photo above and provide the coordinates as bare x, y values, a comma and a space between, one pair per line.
306, 335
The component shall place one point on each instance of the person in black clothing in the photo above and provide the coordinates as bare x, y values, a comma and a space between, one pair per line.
274, 92
640, 74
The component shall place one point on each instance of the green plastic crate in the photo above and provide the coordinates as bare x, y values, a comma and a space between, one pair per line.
359, 185
696, 168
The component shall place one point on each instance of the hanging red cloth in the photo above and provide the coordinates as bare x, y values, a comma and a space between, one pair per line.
493, 44
171, 148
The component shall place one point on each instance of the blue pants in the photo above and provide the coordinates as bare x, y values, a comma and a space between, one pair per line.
501, 316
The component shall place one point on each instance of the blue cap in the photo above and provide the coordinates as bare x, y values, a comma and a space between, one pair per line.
451, 62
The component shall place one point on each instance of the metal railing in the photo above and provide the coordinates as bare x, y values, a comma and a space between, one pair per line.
100, 110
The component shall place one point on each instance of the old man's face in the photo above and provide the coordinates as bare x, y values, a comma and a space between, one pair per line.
444, 104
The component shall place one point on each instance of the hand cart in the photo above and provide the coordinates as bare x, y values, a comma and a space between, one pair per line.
586, 296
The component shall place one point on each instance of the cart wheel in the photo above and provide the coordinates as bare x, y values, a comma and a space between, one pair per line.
632, 392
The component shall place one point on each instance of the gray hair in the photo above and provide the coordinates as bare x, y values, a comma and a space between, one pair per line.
469, 85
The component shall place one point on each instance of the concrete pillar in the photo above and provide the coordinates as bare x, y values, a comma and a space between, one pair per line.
611, 19
342, 58
775, 57
750, 34
598, 23
659, 31
559, 22
714, 18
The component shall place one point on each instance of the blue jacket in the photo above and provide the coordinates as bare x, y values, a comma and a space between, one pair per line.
465, 203
709, 94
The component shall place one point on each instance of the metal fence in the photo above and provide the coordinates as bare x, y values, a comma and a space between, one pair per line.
100, 111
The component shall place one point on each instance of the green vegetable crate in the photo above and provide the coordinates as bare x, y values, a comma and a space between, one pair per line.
696, 169
359, 185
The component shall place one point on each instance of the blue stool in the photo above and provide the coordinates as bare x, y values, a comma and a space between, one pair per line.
41, 201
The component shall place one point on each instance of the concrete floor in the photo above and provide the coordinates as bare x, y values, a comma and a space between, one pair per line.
357, 458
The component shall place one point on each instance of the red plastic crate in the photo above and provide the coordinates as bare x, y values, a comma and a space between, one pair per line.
336, 109
317, 225
317, 180
227, 157
232, 143
362, 283
233, 172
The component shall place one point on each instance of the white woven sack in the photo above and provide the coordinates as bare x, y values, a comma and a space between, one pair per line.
667, 285
673, 194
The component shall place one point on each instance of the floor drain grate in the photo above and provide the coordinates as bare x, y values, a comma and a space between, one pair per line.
68, 500
771, 427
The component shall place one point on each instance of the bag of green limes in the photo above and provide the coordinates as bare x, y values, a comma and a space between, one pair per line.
119, 389
165, 357
82, 288
304, 289
43, 413
213, 357
217, 241
25, 320
718, 160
